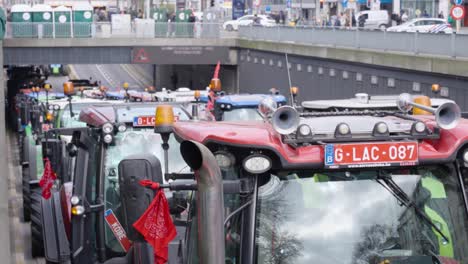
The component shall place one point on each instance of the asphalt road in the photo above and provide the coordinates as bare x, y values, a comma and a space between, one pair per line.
20, 231
114, 75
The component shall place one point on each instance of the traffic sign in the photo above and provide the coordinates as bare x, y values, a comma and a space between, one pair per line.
457, 12
458, 2
288, 3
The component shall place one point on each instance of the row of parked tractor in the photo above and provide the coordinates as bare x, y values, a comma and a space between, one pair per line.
98, 166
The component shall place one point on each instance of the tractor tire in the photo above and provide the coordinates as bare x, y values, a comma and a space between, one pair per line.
37, 240
26, 193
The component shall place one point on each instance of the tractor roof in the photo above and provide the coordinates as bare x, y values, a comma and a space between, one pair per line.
96, 116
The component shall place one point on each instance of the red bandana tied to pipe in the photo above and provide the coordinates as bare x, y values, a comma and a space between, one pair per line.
156, 224
47, 180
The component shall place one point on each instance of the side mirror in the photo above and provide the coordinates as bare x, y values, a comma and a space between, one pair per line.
178, 202
53, 149
136, 198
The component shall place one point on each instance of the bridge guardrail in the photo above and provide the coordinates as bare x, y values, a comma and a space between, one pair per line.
105, 30
450, 45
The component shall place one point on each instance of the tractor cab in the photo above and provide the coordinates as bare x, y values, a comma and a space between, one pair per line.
95, 211
328, 187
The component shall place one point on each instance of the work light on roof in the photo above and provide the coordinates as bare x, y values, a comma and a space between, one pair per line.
304, 131
381, 129
257, 164
342, 130
107, 128
419, 127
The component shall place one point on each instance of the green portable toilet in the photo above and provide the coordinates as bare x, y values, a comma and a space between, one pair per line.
21, 21
160, 21
2, 23
82, 20
183, 27
62, 22
42, 18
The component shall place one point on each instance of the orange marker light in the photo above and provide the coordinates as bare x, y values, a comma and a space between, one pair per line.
102, 88
215, 85
68, 88
47, 87
435, 88
49, 116
163, 119
197, 94
422, 100
294, 90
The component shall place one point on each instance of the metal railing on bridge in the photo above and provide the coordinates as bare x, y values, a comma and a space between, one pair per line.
447, 45
452, 45
105, 30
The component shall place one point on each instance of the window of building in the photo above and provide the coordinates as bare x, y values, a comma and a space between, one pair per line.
280, 64
345, 75
309, 68
416, 87
299, 67
332, 72
272, 62
391, 82
359, 77
320, 70
374, 79
263, 61
444, 91
248, 58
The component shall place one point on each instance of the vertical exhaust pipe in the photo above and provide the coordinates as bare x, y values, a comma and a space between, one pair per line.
210, 211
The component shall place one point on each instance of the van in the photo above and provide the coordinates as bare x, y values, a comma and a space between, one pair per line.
373, 19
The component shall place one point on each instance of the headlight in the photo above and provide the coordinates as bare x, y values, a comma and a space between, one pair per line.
107, 138
74, 200
122, 127
224, 159
107, 128
465, 156
78, 210
257, 164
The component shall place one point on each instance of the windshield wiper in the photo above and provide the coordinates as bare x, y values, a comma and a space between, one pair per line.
387, 182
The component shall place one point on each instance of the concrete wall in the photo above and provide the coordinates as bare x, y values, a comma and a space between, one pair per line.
5, 254
320, 78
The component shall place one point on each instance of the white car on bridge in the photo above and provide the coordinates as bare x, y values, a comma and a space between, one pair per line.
424, 25
248, 20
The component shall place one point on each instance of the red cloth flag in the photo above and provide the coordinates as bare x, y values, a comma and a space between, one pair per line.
47, 180
216, 72
156, 224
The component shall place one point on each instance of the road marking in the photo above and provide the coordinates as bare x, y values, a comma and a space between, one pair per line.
106, 76
134, 75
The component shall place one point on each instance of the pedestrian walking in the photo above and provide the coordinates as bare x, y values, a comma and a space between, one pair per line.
404, 17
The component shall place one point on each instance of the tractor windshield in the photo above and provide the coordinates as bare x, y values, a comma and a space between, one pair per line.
133, 141
67, 121
242, 114
354, 217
